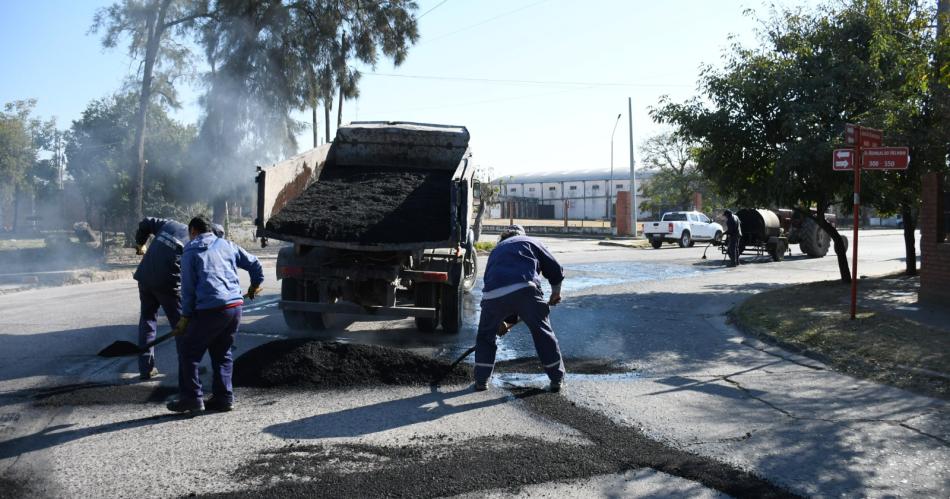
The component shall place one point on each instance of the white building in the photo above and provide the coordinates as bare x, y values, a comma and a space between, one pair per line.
584, 193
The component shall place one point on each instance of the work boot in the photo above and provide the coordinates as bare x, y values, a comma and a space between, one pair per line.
219, 404
149, 375
192, 407
556, 386
480, 386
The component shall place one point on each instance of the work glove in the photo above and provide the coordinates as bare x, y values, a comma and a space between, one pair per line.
180, 327
506, 325
253, 291
139, 249
555, 295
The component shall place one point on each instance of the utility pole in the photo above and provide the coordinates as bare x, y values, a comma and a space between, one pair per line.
611, 184
633, 171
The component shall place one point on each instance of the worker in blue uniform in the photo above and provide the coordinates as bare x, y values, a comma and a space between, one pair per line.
513, 287
159, 279
211, 302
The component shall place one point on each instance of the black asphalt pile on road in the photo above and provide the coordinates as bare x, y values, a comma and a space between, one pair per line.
305, 363
120, 349
531, 365
370, 205
444, 467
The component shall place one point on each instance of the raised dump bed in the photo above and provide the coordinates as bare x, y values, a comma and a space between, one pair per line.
380, 224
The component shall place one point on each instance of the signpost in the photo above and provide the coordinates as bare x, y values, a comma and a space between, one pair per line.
870, 156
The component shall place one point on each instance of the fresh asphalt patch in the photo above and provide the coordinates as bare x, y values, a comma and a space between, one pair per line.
86, 394
438, 466
531, 365
314, 364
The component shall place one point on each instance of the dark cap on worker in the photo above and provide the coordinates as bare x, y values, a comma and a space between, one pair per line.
511, 231
727, 212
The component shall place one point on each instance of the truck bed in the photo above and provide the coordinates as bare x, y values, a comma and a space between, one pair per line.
370, 205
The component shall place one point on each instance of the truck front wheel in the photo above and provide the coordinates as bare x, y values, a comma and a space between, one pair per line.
685, 239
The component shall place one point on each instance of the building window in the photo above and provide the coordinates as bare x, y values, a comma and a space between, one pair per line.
596, 187
619, 186
513, 189
530, 189
573, 187
552, 188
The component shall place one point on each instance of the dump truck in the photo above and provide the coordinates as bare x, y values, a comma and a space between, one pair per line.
380, 225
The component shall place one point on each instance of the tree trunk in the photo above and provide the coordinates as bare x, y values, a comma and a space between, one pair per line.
327, 103
840, 250
155, 31
16, 206
218, 209
910, 240
316, 133
477, 229
339, 110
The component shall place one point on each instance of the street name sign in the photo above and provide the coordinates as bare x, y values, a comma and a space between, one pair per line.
869, 137
843, 159
885, 158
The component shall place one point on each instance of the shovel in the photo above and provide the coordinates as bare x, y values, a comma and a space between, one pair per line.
503, 330
128, 349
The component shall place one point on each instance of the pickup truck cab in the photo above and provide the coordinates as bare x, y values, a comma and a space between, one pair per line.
683, 228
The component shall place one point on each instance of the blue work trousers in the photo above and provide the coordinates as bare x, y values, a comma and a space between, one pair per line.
209, 331
150, 299
531, 307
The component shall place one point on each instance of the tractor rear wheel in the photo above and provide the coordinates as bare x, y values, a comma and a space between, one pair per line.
815, 241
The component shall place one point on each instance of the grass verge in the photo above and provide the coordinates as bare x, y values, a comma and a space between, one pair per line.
485, 246
813, 319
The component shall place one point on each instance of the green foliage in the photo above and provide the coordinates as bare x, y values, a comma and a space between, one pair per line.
98, 149
771, 116
17, 153
676, 176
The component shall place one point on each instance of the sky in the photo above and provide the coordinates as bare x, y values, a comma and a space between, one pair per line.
538, 83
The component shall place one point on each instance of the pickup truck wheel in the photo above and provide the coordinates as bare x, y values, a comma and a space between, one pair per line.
656, 242
685, 240
451, 308
289, 290
425, 297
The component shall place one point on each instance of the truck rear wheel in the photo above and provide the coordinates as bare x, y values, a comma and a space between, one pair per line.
452, 308
685, 239
814, 239
290, 290
425, 297
656, 242
470, 268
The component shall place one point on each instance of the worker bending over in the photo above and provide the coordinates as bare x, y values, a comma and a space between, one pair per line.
513, 287
211, 303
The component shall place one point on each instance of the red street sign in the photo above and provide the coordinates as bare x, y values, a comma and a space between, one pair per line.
843, 159
870, 137
885, 158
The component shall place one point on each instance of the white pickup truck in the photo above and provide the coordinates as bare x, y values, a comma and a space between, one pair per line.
682, 227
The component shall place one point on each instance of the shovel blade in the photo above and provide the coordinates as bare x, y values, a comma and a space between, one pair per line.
120, 349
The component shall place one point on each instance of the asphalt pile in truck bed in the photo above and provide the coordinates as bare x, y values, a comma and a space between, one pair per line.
370, 205
307, 363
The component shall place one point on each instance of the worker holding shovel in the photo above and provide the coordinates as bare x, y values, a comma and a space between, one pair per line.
513, 288
211, 302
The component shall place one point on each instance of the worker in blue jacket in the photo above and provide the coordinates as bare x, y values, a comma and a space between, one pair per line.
159, 279
211, 303
513, 287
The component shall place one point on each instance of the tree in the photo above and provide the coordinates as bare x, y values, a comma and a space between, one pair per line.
17, 153
677, 177
147, 24
773, 114
97, 146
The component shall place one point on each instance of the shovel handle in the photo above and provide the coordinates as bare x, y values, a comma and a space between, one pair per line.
158, 340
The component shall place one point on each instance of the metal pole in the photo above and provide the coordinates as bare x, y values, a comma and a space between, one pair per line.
633, 171
858, 132
609, 186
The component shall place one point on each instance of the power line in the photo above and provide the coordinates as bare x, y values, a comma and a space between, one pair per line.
430, 10
527, 82
486, 21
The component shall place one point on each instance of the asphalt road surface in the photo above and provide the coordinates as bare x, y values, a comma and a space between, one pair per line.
696, 409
